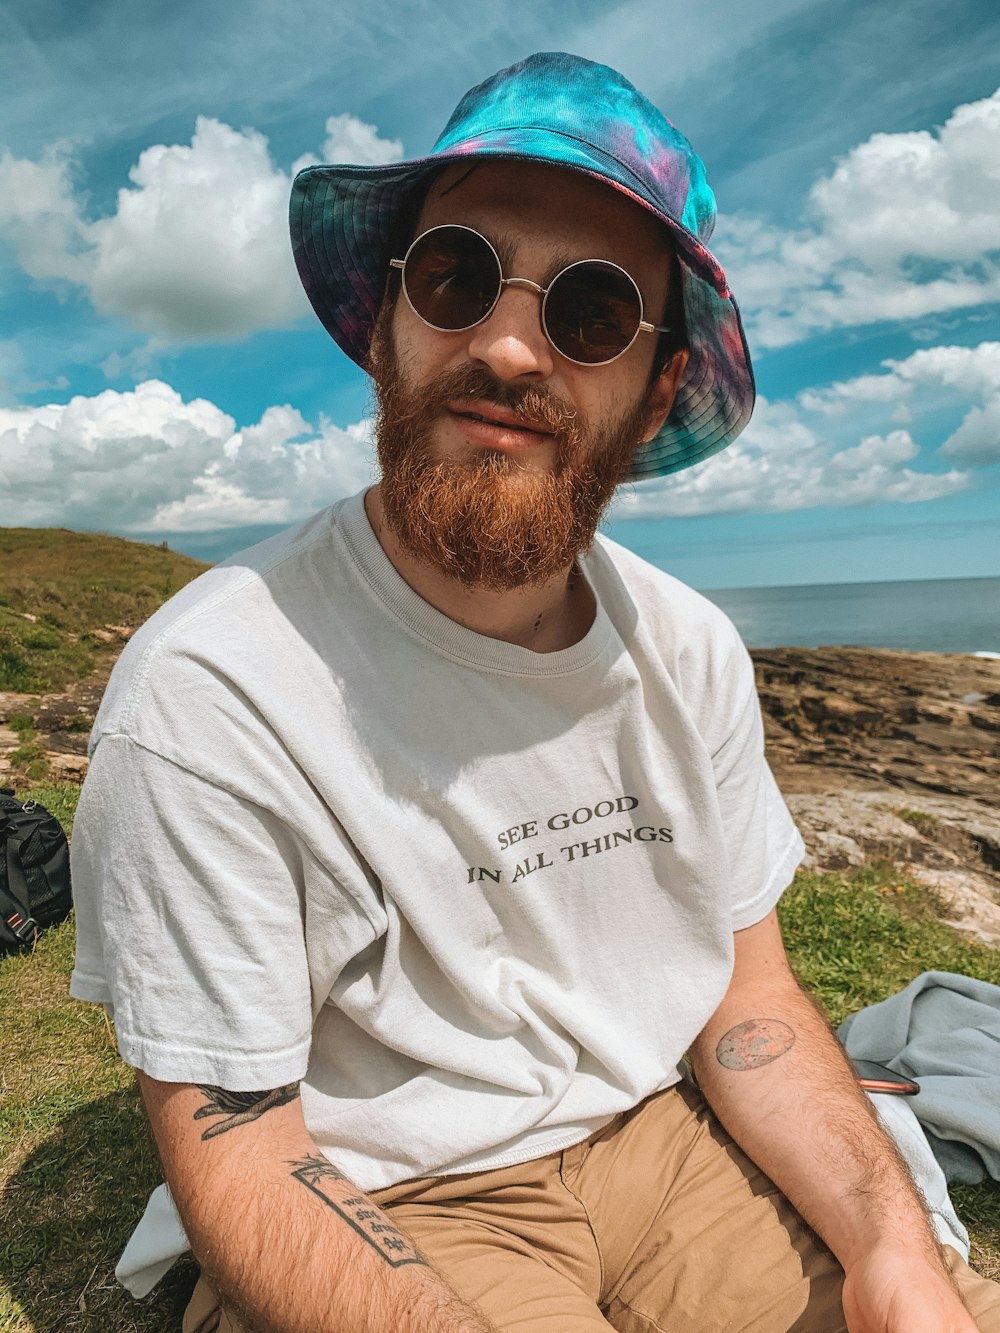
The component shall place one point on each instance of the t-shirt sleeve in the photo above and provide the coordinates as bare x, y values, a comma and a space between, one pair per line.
190, 906
762, 843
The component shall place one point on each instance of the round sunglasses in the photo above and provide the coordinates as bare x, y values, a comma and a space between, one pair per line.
591, 310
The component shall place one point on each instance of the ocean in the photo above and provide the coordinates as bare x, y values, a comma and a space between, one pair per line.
929, 615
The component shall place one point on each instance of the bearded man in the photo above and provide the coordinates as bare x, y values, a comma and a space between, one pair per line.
444, 824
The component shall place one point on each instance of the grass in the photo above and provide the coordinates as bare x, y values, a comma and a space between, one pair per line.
29, 757
59, 589
76, 1159
35, 658
853, 949
919, 819
77, 1163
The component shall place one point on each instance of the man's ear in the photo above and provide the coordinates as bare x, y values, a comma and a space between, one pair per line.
663, 391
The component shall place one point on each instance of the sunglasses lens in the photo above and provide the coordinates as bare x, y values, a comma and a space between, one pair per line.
452, 277
592, 312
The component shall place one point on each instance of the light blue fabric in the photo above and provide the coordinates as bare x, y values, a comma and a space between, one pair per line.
155, 1245
943, 1030
903, 1128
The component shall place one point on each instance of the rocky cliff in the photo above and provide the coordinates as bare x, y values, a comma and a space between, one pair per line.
894, 756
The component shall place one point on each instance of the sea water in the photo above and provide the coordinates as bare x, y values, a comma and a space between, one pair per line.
927, 615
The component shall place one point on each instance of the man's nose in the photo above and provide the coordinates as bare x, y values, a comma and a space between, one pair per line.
511, 340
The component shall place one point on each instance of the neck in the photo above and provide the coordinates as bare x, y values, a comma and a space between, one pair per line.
545, 617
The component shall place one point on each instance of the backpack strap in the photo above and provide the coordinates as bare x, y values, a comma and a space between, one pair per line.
14, 892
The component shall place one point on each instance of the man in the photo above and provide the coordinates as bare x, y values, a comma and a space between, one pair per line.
446, 828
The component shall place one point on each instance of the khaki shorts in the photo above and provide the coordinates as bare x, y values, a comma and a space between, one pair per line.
656, 1224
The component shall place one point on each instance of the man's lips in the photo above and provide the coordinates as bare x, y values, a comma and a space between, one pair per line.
500, 417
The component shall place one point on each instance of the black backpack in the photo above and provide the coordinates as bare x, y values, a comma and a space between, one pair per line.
34, 872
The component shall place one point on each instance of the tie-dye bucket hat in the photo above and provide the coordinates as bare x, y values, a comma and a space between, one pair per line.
573, 113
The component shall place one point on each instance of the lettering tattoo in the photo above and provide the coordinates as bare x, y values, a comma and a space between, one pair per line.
240, 1108
360, 1214
755, 1043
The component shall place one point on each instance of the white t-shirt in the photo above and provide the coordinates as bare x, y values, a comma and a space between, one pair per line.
478, 899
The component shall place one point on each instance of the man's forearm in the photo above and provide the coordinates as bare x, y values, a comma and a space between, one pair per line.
779, 1082
781, 1085
290, 1244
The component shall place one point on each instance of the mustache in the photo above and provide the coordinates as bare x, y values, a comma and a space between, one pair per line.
538, 405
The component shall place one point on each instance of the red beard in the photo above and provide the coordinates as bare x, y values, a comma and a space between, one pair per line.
488, 522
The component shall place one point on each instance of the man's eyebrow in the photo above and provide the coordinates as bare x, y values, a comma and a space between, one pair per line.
505, 245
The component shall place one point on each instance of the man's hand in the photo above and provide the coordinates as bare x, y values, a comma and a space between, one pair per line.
889, 1291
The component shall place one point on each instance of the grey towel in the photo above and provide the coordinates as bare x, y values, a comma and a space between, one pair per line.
944, 1031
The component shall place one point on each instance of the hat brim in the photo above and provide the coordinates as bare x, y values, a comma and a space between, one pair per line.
343, 219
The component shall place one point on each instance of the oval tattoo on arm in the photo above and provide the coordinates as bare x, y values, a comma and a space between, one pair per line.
755, 1043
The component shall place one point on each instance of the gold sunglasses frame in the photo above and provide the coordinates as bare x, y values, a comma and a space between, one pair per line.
643, 325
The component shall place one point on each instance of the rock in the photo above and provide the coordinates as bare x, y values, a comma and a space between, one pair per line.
71, 766
62, 723
13, 704
921, 722
975, 911
950, 843
895, 757
836, 851
886, 756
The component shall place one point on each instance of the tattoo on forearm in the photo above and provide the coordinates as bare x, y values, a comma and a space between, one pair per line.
240, 1108
755, 1043
360, 1214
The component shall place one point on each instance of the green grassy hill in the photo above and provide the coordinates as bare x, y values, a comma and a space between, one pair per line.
59, 590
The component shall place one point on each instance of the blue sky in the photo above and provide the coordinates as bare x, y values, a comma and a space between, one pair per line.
162, 376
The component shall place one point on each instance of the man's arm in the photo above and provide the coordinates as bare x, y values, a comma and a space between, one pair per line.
778, 1080
286, 1239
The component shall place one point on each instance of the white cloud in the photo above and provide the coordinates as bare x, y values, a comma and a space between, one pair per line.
962, 371
213, 504
917, 194
965, 370
977, 440
40, 216
905, 226
351, 140
782, 462
147, 460
820, 448
928, 379
198, 245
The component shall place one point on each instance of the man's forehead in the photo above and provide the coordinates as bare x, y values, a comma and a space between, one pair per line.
537, 193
